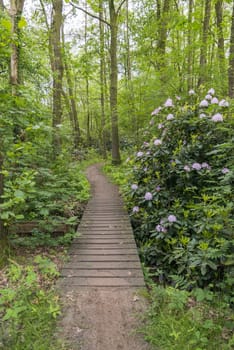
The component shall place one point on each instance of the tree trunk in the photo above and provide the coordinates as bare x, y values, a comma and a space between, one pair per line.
163, 25
231, 59
57, 73
2, 7
16, 9
71, 100
88, 121
4, 243
203, 54
221, 50
114, 84
102, 79
190, 50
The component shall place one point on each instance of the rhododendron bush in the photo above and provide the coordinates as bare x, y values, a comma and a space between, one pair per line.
181, 195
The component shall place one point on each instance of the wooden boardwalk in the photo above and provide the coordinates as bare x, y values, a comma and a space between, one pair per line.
99, 284
105, 255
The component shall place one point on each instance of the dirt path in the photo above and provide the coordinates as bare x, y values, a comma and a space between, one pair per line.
101, 283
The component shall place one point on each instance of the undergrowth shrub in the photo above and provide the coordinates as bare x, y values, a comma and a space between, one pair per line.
175, 321
29, 306
181, 195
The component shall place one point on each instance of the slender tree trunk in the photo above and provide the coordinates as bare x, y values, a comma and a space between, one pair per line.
219, 19
129, 85
190, 50
102, 79
203, 54
114, 84
4, 243
158, 4
16, 9
88, 121
163, 26
71, 99
2, 7
231, 59
57, 73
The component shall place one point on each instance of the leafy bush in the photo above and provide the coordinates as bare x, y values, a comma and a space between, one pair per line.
28, 309
181, 197
176, 321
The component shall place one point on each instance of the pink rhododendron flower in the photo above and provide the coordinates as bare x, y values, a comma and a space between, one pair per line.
172, 218
187, 168
157, 142
204, 103
224, 103
214, 101
148, 196
170, 117
140, 154
217, 117
156, 111
202, 115
135, 209
211, 91
205, 165
196, 166
225, 170
169, 103
191, 92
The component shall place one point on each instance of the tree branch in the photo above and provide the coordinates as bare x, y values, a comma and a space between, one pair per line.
90, 14
45, 15
119, 8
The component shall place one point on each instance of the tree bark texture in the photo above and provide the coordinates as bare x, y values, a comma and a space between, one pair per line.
2, 7
4, 243
203, 54
71, 101
221, 50
114, 84
231, 59
190, 50
102, 79
163, 26
57, 68
16, 9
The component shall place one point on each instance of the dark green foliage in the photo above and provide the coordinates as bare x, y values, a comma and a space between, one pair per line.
176, 321
28, 309
185, 230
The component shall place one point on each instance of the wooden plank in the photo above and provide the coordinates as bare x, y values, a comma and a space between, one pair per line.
102, 273
97, 258
102, 265
103, 251
102, 282
101, 245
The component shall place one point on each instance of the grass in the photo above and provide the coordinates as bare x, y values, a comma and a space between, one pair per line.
29, 304
176, 321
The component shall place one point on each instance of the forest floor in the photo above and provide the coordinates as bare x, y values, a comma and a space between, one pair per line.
102, 283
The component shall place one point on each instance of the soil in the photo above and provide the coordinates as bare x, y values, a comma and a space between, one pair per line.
101, 319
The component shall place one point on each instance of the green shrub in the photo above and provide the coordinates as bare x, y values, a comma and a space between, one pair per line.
28, 309
181, 196
176, 321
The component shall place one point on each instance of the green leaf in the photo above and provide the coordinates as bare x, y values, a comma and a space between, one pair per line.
22, 23
19, 194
